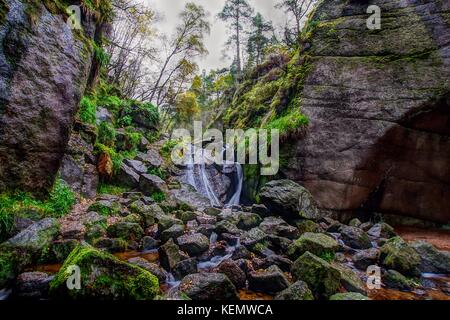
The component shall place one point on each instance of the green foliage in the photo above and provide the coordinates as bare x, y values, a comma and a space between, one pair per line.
100, 55
4, 9
159, 196
106, 134
88, 110
158, 172
110, 102
166, 149
58, 204
104, 188
289, 122
116, 157
125, 121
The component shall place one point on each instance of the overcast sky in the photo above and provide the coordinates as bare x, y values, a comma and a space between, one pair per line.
169, 9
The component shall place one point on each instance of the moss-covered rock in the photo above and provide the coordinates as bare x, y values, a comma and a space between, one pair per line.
395, 280
350, 279
322, 278
319, 244
398, 255
106, 207
307, 226
126, 231
297, 291
348, 296
104, 277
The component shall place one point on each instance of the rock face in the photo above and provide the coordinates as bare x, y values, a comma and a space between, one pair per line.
378, 104
44, 71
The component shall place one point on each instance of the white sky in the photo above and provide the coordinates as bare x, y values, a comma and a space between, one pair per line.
169, 9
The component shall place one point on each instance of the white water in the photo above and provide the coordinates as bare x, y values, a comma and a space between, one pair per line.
215, 261
196, 175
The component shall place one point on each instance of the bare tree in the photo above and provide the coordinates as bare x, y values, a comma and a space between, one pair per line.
298, 9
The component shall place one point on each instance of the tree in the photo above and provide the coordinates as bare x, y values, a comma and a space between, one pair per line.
260, 38
186, 44
298, 9
238, 13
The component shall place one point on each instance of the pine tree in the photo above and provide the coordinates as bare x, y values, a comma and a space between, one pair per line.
260, 37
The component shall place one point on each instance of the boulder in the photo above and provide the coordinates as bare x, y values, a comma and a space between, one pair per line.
395, 280
150, 267
126, 231
103, 277
127, 176
381, 230
431, 259
320, 276
350, 279
260, 209
150, 184
138, 166
365, 258
165, 222
247, 221
226, 226
289, 198
348, 296
193, 244
169, 255
270, 281
208, 286
279, 227
396, 254
297, 291
232, 270
106, 207
184, 268
111, 245
151, 158
149, 243
33, 285
355, 223
304, 226
318, 244
355, 237
173, 232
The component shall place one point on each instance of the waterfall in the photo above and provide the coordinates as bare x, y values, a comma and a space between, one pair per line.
196, 175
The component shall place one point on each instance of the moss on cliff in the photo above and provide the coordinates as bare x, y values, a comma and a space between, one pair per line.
4, 9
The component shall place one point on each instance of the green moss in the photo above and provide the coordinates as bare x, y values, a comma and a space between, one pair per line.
159, 172
106, 134
7, 266
59, 203
159, 196
166, 149
104, 277
106, 208
104, 188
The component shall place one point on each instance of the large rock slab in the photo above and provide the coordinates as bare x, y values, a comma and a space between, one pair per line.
44, 70
378, 105
208, 286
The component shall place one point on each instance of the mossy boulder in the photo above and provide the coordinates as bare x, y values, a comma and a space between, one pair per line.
350, 279
432, 260
247, 221
396, 254
322, 278
298, 291
348, 296
106, 207
104, 277
355, 237
319, 244
304, 226
208, 286
395, 280
126, 231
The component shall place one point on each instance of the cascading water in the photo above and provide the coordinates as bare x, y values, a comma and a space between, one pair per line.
196, 175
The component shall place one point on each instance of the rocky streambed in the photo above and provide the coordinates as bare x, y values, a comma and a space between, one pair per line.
130, 247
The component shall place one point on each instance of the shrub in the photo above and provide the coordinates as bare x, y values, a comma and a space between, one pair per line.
166, 149
159, 196
104, 188
158, 172
106, 134
88, 110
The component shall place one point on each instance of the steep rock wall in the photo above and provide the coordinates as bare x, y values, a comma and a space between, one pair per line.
379, 109
44, 68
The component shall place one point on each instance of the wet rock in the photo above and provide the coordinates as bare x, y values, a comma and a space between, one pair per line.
32, 285
150, 184
169, 255
166, 221
431, 259
94, 232
289, 198
321, 277
279, 227
318, 244
127, 176
304, 226
208, 286
355, 238
297, 291
348, 296
365, 258
149, 243
225, 226
111, 245
106, 207
104, 277
193, 244
205, 219
283, 263
212, 211
382, 230
247, 221
185, 216
172, 233
270, 281
132, 218
253, 237
231, 269
279, 243
150, 267
355, 223
60, 249
125, 230
206, 229
395, 280
184, 268
152, 158
261, 210
366, 226
186, 194
349, 279
138, 166
398, 255
241, 253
